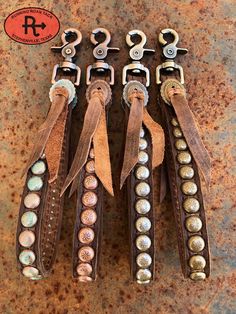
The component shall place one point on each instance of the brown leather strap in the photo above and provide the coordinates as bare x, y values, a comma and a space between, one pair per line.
191, 133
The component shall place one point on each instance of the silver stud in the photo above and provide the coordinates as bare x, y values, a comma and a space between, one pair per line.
39, 167
180, 144
30, 272
35, 183
196, 243
142, 133
174, 122
142, 206
142, 173
90, 166
198, 276
31, 200
189, 188
184, 158
142, 144
143, 274
27, 257
91, 153
197, 262
144, 260
29, 219
191, 205
143, 242
142, 189
143, 224
142, 157
186, 172
26, 238
177, 133
193, 224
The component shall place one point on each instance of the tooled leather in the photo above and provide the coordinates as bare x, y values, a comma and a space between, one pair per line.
178, 197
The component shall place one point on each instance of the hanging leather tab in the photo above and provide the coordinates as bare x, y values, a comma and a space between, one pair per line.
191, 133
48, 133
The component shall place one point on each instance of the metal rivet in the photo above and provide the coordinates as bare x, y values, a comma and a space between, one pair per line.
90, 182
142, 157
143, 242
142, 206
89, 199
86, 254
174, 122
144, 260
90, 166
180, 144
189, 188
142, 144
143, 224
196, 243
29, 219
142, 133
84, 269
86, 235
39, 167
191, 205
30, 272
197, 262
184, 158
142, 173
193, 224
27, 257
142, 189
91, 153
88, 217
186, 172
177, 133
198, 276
31, 200
26, 238
143, 274
35, 183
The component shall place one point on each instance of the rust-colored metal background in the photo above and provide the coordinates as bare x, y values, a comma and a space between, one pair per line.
207, 28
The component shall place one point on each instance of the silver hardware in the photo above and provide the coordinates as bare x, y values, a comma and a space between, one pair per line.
68, 51
100, 53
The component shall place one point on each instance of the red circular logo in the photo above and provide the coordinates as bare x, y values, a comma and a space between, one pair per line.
32, 26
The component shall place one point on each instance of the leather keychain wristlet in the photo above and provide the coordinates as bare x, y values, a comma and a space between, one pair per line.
144, 151
185, 156
41, 205
91, 169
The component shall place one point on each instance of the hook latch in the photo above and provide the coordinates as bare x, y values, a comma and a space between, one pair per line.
100, 53
170, 51
68, 51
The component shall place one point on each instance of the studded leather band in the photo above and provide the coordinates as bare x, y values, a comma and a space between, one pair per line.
186, 193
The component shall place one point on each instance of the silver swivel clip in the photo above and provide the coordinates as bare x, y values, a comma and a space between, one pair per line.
170, 51
100, 53
136, 53
68, 51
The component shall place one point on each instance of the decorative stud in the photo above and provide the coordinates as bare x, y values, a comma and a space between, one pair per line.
198, 276
189, 188
184, 158
186, 172
142, 206
31, 200
90, 166
38, 168
86, 235
88, 217
142, 144
142, 173
191, 205
30, 272
177, 133
26, 238
180, 144
27, 257
29, 219
89, 199
174, 122
35, 183
142, 133
193, 224
86, 254
84, 269
90, 182
91, 153
197, 262
142, 157
143, 242
142, 189
143, 274
196, 243
143, 224
144, 260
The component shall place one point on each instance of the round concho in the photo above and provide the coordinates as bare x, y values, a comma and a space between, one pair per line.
131, 87
99, 86
169, 84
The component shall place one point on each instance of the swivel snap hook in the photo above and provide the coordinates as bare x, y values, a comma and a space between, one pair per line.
170, 50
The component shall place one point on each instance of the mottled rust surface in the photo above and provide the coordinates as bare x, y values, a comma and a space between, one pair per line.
207, 28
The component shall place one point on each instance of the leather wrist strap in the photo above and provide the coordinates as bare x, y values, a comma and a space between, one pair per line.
144, 151
185, 155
